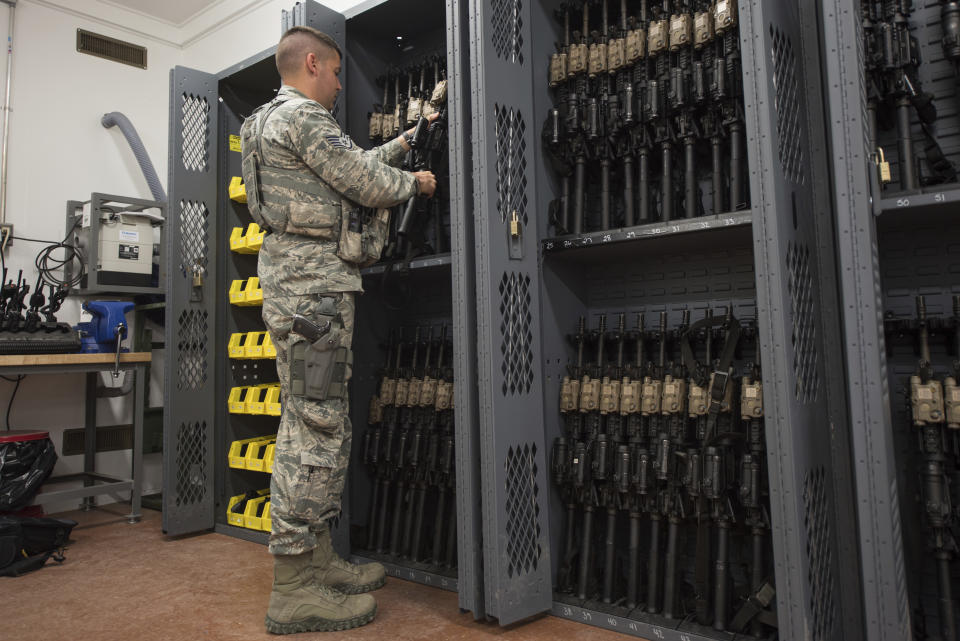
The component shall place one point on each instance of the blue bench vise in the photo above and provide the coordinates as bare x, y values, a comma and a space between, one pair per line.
108, 328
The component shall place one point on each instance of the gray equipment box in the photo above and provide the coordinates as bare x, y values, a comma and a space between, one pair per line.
118, 239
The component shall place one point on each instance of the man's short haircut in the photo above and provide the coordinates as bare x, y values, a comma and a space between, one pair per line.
297, 42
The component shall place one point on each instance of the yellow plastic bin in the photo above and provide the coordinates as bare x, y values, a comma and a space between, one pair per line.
256, 452
236, 399
237, 454
266, 524
253, 400
253, 239
273, 400
269, 349
253, 347
237, 294
253, 515
238, 242
236, 348
237, 507
252, 293
268, 458
237, 190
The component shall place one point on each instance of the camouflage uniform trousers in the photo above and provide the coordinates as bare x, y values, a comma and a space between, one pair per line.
313, 440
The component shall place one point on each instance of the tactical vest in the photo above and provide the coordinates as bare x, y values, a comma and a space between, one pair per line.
297, 201
294, 201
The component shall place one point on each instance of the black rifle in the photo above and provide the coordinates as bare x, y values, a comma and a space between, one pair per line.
628, 459
617, 471
422, 422
585, 451
650, 484
371, 444
388, 464
404, 384
928, 414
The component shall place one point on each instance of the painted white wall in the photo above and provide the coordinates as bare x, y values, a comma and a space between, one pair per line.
248, 33
58, 151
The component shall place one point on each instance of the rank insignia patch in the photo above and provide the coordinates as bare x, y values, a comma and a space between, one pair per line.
343, 142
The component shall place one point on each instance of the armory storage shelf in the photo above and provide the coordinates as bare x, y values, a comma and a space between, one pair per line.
658, 230
427, 263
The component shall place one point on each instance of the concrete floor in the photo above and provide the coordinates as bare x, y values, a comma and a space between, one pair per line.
131, 583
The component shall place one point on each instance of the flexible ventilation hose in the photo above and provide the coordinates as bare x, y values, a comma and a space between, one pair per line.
143, 158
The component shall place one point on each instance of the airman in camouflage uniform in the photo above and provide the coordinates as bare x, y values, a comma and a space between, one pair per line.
304, 179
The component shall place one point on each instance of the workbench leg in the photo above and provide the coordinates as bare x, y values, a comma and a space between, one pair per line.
90, 438
139, 395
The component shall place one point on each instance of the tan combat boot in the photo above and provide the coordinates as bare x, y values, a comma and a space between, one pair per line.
332, 571
297, 604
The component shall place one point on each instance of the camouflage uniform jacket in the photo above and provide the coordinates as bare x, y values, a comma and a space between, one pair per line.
301, 135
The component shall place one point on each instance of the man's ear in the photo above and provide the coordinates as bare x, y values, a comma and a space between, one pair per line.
311, 63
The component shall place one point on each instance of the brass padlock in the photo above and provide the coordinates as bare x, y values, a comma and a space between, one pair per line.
681, 31
702, 28
926, 400
558, 69
197, 279
751, 399
569, 394
884, 166
616, 54
576, 60
724, 15
514, 225
598, 59
636, 45
657, 36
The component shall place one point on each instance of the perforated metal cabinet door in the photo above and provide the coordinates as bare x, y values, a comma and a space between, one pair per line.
796, 309
886, 609
189, 374
513, 454
464, 290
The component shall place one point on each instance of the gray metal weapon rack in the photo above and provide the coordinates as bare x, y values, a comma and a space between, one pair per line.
894, 244
206, 113
774, 262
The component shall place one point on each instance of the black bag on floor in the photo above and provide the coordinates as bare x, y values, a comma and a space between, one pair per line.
27, 543
25, 463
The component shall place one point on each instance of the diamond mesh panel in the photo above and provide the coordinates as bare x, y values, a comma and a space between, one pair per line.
820, 572
511, 164
523, 511
191, 454
787, 103
195, 123
192, 350
862, 86
803, 336
194, 236
515, 328
507, 30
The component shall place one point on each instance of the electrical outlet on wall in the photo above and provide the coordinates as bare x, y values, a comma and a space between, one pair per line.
6, 235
